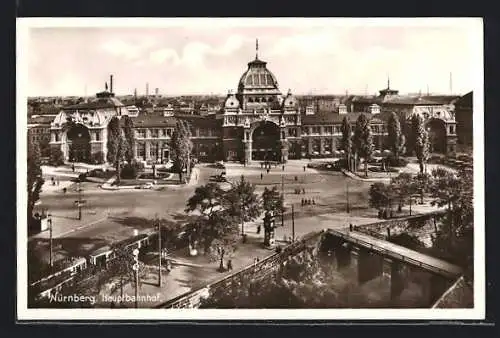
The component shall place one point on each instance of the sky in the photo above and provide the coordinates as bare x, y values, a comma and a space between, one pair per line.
208, 56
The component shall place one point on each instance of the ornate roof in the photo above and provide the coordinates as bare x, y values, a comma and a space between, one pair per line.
257, 77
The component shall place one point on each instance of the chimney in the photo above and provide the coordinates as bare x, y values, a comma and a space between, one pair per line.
111, 83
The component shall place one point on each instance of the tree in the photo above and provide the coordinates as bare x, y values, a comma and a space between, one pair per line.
272, 200
455, 192
243, 203
128, 130
421, 139
181, 148
381, 196
346, 142
114, 136
404, 186
214, 221
34, 178
56, 157
396, 139
117, 145
363, 140
422, 184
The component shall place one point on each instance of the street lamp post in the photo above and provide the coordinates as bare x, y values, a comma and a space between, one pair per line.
293, 225
159, 253
283, 194
347, 196
135, 267
51, 259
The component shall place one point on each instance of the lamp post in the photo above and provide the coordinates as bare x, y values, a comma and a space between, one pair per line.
159, 253
79, 202
347, 196
135, 267
293, 225
283, 194
51, 259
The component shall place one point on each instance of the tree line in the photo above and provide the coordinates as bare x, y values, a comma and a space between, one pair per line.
358, 142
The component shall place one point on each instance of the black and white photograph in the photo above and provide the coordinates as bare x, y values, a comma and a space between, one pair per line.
246, 168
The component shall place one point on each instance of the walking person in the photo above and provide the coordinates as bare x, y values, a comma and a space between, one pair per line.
283, 167
303, 191
258, 229
73, 167
261, 176
229, 264
268, 170
304, 168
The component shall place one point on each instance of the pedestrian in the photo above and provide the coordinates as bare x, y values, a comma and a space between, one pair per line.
304, 168
64, 190
303, 191
261, 176
296, 178
73, 167
314, 203
350, 227
268, 170
258, 229
283, 167
53, 182
302, 202
229, 264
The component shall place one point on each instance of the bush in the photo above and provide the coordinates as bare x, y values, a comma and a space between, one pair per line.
56, 157
130, 170
400, 162
98, 158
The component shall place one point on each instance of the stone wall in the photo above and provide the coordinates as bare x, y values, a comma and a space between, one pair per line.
419, 225
260, 270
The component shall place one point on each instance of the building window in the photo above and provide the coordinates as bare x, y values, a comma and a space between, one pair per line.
328, 130
315, 130
316, 146
153, 150
452, 130
292, 132
203, 132
57, 136
141, 133
141, 150
327, 146
169, 132
305, 131
154, 133
97, 135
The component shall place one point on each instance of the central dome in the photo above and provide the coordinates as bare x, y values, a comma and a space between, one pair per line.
257, 77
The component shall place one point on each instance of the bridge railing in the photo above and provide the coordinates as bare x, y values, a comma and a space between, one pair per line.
392, 254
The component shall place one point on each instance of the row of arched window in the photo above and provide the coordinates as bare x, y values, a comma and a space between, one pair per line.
260, 99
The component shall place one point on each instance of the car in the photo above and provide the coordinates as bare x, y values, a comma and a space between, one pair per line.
148, 185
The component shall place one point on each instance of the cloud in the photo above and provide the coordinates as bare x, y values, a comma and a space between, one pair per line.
183, 59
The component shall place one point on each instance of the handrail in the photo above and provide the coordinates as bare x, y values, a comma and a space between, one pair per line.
386, 252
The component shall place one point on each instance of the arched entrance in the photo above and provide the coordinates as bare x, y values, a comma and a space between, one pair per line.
437, 135
78, 137
266, 142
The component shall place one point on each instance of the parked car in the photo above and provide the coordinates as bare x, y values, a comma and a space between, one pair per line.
148, 185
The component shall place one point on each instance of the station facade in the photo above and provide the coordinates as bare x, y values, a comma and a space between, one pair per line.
257, 122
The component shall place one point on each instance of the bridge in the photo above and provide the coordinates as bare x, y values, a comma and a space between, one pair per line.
371, 257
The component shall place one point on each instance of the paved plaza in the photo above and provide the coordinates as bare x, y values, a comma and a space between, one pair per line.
113, 216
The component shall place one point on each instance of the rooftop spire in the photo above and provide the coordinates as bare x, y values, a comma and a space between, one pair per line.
256, 49
388, 82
